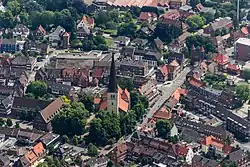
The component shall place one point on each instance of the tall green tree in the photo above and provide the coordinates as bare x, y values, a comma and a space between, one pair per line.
88, 100
195, 22
14, 7
105, 127
92, 150
246, 74
71, 120
163, 127
243, 91
167, 33
37, 88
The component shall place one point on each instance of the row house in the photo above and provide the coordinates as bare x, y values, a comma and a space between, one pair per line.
130, 67
149, 56
9, 45
172, 17
23, 63
33, 156
19, 31
215, 104
219, 24
74, 77
168, 71
199, 161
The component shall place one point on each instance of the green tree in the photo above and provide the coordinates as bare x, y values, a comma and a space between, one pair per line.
105, 127
101, 18
246, 74
92, 150
193, 3
128, 122
126, 83
209, 17
65, 139
243, 91
9, 122
37, 88
2, 122
200, 40
110, 164
139, 111
7, 19
195, 22
88, 100
167, 33
127, 29
163, 127
75, 140
71, 120
17, 125
76, 43
24, 18
47, 18
14, 6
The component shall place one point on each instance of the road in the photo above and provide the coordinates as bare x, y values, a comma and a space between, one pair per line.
167, 92
41, 65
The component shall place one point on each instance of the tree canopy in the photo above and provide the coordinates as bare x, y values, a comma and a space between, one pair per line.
92, 150
71, 120
37, 88
105, 127
163, 127
195, 22
167, 32
200, 40
243, 91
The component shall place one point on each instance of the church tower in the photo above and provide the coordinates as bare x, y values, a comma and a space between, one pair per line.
112, 93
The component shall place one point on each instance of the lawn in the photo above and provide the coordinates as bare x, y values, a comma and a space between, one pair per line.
109, 41
109, 31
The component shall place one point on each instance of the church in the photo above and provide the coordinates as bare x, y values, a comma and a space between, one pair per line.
115, 99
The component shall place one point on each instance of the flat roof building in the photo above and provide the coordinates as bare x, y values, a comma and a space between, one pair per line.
242, 49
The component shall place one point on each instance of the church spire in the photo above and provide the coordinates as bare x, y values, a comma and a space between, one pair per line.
112, 86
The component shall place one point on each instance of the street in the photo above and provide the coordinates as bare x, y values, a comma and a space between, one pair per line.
167, 92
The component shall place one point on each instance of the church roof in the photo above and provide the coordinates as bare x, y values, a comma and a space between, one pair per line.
112, 86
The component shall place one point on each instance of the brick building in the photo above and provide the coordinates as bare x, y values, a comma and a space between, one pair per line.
242, 49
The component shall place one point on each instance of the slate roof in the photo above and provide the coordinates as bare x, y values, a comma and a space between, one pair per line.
237, 155
59, 86
23, 102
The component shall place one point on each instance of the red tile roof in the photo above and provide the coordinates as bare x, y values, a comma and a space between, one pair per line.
88, 20
195, 82
66, 34
98, 72
162, 113
97, 100
172, 15
244, 30
164, 70
233, 67
181, 150
210, 140
42, 30
221, 59
147, 15
39, 149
